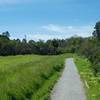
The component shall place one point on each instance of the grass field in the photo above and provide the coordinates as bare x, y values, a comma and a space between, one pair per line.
92, 83
29, 77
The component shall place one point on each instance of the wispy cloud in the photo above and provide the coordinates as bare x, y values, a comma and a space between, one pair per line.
72, 30
41, 36
55, 28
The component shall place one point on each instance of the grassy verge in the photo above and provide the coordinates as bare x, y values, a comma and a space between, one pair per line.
44, 92
30, 76
92, 83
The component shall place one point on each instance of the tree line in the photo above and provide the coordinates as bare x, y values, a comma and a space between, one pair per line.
17, 47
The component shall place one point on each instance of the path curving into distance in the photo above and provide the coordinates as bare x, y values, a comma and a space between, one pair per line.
69, 87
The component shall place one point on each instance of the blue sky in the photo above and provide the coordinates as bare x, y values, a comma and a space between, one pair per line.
48, 19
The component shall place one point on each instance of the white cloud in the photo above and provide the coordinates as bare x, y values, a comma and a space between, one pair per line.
69, 30
45, 37
55, 28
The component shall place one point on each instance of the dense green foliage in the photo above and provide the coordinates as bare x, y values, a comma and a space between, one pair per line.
88, 47
15, 47
29, 77
92, 51
92, 83
96, 33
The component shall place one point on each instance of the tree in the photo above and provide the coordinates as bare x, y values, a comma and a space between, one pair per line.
55, 43
96, 33
31, 42
24, 41
6, 34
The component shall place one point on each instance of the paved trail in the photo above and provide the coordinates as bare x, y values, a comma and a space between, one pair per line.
69, 87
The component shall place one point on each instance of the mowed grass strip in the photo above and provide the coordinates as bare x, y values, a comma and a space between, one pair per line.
29, 76
91, 82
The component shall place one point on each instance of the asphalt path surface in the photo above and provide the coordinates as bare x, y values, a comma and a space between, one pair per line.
69, 86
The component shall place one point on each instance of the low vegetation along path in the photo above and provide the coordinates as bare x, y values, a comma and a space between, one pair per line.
69, 87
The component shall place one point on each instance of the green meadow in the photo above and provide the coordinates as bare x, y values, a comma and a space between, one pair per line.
32, 77
29, 77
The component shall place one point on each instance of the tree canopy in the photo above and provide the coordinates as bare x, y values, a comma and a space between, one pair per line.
96, 33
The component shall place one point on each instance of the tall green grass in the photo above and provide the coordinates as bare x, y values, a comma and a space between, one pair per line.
29, 77
92, 83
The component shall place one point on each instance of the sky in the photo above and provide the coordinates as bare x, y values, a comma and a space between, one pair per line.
48, 19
